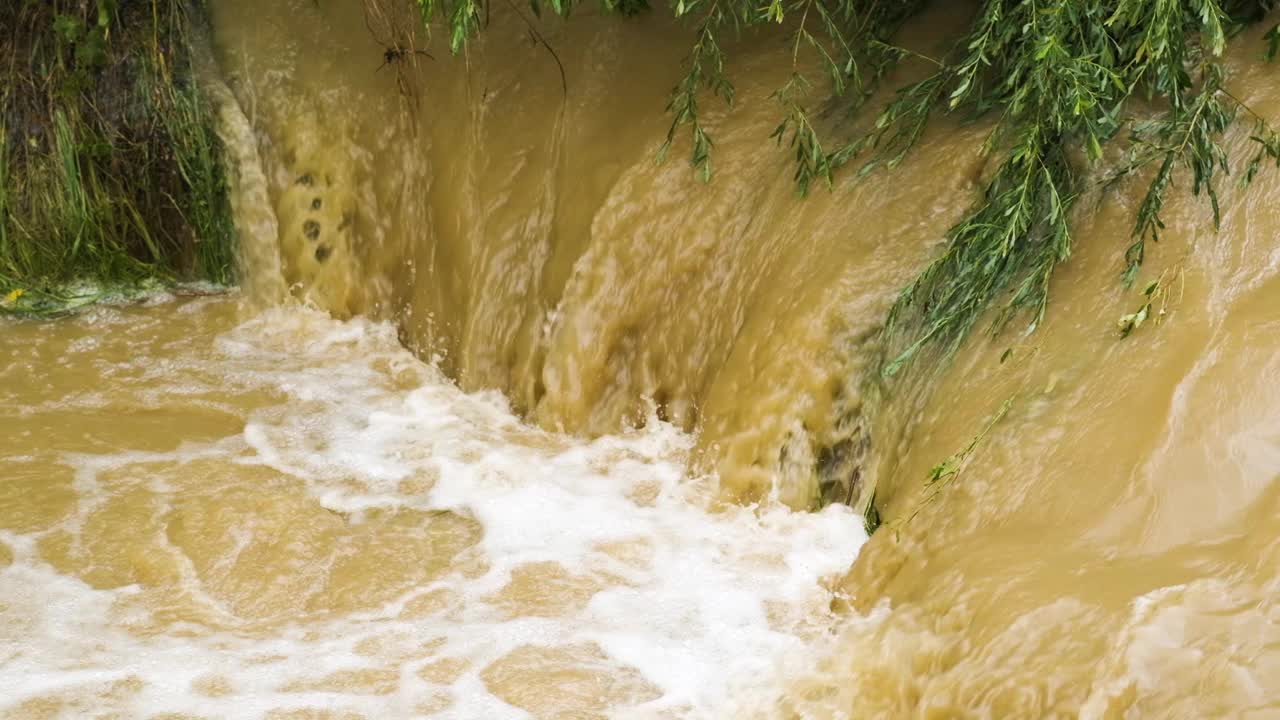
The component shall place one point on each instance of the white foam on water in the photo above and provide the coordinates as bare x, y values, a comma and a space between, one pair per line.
711, 602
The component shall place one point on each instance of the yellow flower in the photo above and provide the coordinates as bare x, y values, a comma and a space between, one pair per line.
12, 297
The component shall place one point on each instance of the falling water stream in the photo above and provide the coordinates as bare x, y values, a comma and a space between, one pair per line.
509, 420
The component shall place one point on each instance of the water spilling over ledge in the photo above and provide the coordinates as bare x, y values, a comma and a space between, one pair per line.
545, 506
518, 230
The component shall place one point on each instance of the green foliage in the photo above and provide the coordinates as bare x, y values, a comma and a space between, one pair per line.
1058, 79
1154, 307
948, 469
848, 38
706, 68
1268, 142
945, 472
1134, 320
111, 169
7, 248
197, 156
1061, 76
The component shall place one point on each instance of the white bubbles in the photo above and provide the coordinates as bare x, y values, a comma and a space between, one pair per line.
600, 562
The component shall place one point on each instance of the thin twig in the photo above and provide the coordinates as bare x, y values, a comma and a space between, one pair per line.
564, 81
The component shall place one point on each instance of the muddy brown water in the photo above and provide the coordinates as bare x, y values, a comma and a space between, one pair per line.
584, 488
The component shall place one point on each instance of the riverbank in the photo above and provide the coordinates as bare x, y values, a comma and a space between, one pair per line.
111, 171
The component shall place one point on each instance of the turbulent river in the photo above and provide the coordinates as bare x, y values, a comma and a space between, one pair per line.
508, 420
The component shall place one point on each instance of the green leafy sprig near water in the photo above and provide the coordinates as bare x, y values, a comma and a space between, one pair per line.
1155, 303
1061, 78
940, 476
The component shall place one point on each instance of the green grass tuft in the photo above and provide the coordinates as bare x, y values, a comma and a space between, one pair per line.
111, 170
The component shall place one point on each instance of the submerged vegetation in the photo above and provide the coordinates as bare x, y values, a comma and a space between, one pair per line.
1060, 80
110, 167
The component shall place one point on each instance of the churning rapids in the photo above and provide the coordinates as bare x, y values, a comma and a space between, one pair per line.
510, 421
294, 513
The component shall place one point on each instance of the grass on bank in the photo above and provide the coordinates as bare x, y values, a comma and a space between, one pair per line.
110, 170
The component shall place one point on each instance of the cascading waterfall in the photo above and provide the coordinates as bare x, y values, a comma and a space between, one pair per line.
511, 420
547, 255
528, 241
